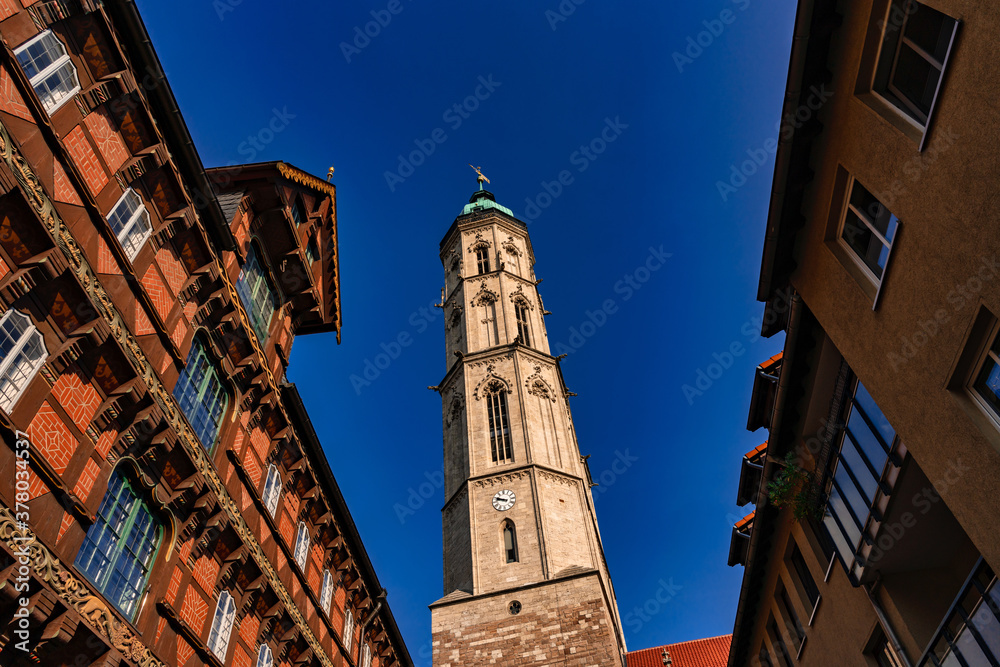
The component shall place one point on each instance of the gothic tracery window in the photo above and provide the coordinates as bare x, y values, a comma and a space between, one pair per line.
496, 408
483, 259
521, 314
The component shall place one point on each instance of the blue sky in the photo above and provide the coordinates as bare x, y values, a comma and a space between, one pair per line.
684, 93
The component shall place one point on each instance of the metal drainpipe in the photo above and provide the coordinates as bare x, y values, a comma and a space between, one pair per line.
374, 612
884, 620
784, 380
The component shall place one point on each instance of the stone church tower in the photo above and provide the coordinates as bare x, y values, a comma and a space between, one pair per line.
525, 578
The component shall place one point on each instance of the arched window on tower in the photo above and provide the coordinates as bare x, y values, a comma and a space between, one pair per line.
483, 259
496, 407
509, 542
521, 314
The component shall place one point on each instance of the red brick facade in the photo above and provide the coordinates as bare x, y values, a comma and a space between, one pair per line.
117, 330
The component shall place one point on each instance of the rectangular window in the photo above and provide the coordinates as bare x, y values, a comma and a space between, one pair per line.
222, 625
970, 633
312, 250
784, 658
869, 230
118, 551
881, 651
298, 213
49, 69
916, 46
256, 294
22, 353
272, 489
130, 221
986, 381
792, 623
867, 446
805, 577
327, 591
302, 546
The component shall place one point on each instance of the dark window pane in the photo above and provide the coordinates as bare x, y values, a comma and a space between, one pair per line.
930, 30
865, 401
916, 79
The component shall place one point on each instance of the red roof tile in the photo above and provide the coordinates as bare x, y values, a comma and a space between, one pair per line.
770, 363
759, 449
712, 652
744, 521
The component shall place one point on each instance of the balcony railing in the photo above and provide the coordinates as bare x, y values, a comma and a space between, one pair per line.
969, 635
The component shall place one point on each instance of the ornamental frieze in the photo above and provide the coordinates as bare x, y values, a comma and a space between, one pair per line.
558, 479
73, 592
500, 480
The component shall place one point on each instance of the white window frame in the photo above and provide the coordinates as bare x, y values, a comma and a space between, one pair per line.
302, 545
138, 220
272, 489
326, 594
348, 634
901, 103
265, 657
57, 66
864, 218
222, 626
366, 656
27, 335
986, 355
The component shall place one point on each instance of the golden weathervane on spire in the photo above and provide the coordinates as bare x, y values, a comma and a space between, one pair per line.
481, 177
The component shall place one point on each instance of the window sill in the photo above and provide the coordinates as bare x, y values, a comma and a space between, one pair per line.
894, 116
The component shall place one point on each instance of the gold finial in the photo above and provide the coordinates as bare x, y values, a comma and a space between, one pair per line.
329, 174
481, 177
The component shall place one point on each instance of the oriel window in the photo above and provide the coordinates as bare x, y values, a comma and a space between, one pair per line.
118, 550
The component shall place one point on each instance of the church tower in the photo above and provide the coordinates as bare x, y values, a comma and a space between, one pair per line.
525, 579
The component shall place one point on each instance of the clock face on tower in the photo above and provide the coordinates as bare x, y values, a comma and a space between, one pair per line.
503, 500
